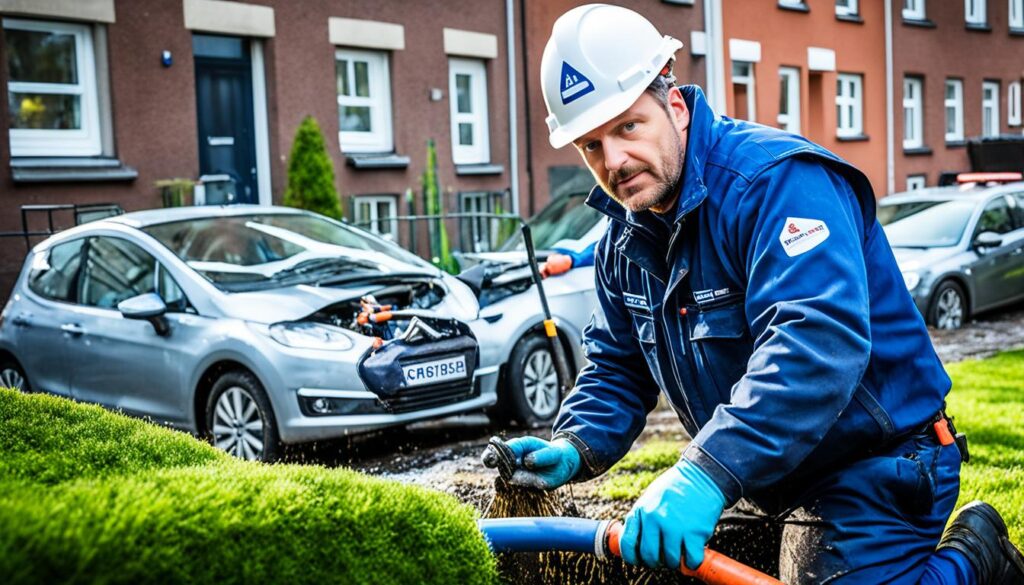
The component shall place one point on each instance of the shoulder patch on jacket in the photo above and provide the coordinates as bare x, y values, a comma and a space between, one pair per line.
800, 235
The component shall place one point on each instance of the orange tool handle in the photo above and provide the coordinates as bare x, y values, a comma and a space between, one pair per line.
717, 569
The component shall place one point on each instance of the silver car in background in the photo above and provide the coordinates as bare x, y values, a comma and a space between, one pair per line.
960, 248
242, 324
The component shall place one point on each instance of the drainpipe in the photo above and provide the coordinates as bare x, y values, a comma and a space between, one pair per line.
715, 58
513, 123
890, 132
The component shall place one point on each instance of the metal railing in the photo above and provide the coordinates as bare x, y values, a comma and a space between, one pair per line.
81, 213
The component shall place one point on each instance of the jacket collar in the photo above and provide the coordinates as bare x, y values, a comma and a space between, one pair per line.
700, 141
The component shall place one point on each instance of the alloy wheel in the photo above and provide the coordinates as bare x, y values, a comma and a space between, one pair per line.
12, 378
949, 312
238, 425
540, 383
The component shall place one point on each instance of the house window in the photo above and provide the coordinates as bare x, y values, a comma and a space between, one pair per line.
954, 110
1013, 104
913, 117
364, 101
789, 99
849, 105
53, 106
478, 234
913, 9
915, 182
974, 12
467, 90
792, 3
990, 108
1017, 14
743, 90
377, 213
846, 8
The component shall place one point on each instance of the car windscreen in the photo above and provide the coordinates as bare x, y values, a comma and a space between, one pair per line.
260, 251
925, 224
565, 218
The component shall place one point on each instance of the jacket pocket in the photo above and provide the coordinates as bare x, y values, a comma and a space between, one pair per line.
721, 345
646, 337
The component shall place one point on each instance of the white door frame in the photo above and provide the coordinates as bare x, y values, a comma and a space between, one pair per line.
260, 127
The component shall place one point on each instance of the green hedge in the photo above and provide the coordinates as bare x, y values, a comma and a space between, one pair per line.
91, 496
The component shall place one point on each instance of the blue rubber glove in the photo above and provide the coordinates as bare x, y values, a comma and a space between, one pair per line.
676, 513
544, 464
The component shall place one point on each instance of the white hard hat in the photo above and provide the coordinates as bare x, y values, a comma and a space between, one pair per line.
598, 61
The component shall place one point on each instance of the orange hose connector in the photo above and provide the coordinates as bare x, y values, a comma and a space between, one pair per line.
717, 569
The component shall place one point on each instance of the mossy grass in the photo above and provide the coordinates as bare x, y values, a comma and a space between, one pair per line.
987, 403
91, 496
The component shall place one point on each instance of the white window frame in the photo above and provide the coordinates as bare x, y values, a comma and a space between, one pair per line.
84, 141
956, 106
480, 151
990, 106
915, 182
373, 223
747, 80
913, 112
482, 230
790, 121
975, 12
853, 104
380, 138
1016, 14
850, 9
914, 9
1013, 117
792, 3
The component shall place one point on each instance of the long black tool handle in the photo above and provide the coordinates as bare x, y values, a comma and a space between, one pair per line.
550, 329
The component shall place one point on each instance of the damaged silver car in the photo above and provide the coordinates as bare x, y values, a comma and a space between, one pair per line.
253, 326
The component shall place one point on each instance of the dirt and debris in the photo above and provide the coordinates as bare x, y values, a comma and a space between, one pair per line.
983, 337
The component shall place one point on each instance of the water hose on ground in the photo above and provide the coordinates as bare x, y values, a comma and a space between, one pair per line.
555, 534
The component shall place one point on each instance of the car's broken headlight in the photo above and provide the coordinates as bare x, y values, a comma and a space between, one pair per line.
306, 335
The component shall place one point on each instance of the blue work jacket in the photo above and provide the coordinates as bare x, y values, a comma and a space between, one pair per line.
769, 310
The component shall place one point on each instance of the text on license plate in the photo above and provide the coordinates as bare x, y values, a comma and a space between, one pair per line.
453, 368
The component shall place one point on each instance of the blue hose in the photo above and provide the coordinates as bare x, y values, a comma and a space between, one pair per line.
544, 534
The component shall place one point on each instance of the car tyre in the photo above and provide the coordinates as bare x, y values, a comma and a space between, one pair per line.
13, 377
531, 395
240, 420
948, 307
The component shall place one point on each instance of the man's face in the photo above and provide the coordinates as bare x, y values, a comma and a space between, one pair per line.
637, 157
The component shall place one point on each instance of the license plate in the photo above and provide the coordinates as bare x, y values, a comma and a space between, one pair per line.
443, 370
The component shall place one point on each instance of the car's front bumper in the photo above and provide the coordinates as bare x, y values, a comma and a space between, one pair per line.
297, 427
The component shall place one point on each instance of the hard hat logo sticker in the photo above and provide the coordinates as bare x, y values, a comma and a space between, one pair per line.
574, 84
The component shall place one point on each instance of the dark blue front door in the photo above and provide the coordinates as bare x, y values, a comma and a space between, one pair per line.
225, 112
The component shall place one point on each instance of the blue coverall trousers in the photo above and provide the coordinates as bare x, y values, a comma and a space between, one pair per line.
876, 520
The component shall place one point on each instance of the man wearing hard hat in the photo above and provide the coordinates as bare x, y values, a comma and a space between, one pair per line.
744, 275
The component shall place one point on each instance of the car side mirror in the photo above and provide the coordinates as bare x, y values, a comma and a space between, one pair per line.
147, 307
987, 240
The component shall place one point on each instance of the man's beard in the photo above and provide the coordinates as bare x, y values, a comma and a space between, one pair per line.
657, 194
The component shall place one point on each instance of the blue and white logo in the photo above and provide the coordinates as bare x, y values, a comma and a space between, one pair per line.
574, 84
635, 302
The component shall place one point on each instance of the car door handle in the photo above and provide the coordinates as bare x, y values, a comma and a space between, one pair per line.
21, 321
73, 329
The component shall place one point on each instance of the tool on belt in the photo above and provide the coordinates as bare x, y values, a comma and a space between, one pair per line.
581, 535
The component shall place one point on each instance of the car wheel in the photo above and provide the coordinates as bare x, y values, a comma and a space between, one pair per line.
948, 307
13, 377
532, 395
240, 419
